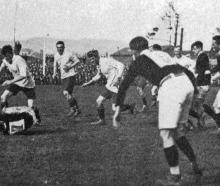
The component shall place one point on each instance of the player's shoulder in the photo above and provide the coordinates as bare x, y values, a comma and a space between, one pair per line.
18, 59
56, 55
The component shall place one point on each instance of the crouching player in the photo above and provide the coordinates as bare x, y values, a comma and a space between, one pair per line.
113, 71
15, 120
22, 78
176, 88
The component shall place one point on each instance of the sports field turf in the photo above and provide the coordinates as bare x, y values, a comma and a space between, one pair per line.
66, 151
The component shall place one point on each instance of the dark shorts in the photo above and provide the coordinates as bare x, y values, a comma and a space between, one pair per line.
69, 83
107, 94
29, 92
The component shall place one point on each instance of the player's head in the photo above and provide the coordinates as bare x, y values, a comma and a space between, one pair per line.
156, 47
197, 47
60, 47
17, 48
7, 52
138, 44
177, 51
216, 43
93, 56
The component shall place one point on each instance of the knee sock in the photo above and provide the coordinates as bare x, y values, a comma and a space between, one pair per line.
144, 101
73, 103
209, 111
172, 157
4, 104
101, 112
125, 107
217, 120
193, 113
186, 148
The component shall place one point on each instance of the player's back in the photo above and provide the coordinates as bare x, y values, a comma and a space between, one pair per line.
109, 66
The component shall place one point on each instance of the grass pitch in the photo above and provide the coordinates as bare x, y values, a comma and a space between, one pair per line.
65, 151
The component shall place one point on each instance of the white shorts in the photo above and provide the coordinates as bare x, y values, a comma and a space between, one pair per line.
175, 99
216, 104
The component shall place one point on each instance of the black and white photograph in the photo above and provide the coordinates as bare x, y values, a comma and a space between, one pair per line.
109, 93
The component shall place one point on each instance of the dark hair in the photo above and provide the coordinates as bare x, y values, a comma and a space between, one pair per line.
60, 43
18, 45
6, 49
198, 44
93, 53
217, 39
156, 47
138, 43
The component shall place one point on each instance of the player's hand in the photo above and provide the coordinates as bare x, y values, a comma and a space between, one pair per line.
116, 116
66, 68
6, 83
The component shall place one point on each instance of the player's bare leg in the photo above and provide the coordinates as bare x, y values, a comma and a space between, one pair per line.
101, 111
74, 109
36, 110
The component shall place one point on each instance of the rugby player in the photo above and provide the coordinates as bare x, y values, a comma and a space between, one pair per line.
113, 71
22, 77
176, 89
67, 62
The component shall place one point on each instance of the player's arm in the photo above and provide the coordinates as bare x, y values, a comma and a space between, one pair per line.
22, 74
132, 72
2, 65
94, 79
73, 60
130, 75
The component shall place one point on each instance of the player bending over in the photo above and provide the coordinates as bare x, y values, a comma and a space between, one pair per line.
22, 77
176, 88
113, 71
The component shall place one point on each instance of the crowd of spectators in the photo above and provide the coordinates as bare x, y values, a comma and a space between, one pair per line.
86, 70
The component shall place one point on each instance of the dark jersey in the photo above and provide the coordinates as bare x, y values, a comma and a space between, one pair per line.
217, 67
202, 66
152, 71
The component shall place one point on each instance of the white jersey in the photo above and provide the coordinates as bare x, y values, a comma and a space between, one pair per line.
112, 70
186, 62
66, 59
19, 67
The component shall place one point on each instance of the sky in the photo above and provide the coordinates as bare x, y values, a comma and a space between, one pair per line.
107, 19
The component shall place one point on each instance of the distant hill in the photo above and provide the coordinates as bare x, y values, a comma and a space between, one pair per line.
79, 46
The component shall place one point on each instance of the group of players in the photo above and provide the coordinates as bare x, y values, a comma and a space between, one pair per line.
181, 85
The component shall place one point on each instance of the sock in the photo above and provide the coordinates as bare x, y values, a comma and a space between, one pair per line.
125, 107
194, 114
208, 110
217, 120
101, 113
144, 101
4, 104
186, 148
73, 103
172, 156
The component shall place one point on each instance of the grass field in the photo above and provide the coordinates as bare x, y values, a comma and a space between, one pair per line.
63, 151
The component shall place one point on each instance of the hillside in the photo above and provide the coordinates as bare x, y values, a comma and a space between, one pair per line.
79, 46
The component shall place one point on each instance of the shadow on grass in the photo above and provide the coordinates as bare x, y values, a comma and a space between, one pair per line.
42, 131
